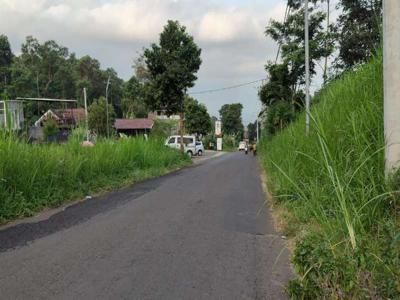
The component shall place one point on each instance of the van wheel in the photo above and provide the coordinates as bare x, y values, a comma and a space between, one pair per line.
190, 153
200, 153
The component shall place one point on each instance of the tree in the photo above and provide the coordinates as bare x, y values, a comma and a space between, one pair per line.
290, 35
42, 70
46, 65
252, 131
90, 76
278, 86
358, 31
278, 116
98, 116
172, 66
133, 105
142, 73
197, 119
284, 89
6, 58
115, 90
231, 118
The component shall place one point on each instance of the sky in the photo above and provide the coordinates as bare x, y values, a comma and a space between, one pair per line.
230, 33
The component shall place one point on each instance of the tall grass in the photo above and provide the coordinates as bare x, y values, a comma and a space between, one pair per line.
36, 176
343, 213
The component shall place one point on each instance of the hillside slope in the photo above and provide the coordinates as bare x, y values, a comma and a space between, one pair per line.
341, 213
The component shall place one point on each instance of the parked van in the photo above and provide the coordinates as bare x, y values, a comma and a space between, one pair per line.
189, 142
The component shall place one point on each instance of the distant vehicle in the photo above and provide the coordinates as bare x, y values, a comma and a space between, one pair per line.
199, 148
242, 146
189, 143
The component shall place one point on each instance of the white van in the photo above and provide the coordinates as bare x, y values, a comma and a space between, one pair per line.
189, 142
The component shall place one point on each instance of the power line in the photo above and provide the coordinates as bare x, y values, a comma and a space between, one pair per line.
47, 99
226, 88
287, 12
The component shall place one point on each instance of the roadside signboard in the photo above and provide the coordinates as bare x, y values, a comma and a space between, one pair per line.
219, 144
218, 126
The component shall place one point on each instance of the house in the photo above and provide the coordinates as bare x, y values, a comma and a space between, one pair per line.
161, 115
65, 118
11, 114
173, 120
133, 127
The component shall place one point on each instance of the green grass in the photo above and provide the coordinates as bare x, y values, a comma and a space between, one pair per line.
342, 213
33, 177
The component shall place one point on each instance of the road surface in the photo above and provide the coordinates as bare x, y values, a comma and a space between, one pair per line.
199, 233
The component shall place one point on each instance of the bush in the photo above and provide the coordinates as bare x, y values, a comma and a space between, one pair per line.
36, 176
50, 129
332, 183
164, 128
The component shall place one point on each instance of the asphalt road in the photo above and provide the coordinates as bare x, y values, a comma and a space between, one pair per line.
199, 233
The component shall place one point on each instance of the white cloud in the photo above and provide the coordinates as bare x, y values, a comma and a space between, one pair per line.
221, 26
230, 33
59, 12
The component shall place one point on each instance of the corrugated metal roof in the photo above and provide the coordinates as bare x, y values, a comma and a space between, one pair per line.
134, 123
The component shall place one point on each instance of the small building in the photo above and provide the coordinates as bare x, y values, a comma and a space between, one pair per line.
11, 114
162, 115
133, 127
65, 118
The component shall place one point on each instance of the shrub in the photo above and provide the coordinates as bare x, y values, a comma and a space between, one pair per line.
50, 129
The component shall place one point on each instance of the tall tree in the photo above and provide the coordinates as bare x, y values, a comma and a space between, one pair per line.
142, 73
358, 31
282, 95
115, 90
290, 35
42, 70
252, 131
98, 116
90, 76
6, 58
197, 119
172, 65
231, 118
133, 105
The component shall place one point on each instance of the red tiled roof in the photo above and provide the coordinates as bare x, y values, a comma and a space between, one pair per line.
134, 123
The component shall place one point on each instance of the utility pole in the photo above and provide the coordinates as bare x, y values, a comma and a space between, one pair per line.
391, 75
328, 9
86, 114
107, 117
307, 66
257, 130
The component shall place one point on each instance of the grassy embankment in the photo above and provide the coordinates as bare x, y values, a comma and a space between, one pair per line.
33, 177
343, 216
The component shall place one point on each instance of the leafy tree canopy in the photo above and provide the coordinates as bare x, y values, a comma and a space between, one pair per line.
290, 35
172, 65
98, 117
6, 59
197, 119
231, 118
358, 31
133, 104
252, 131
